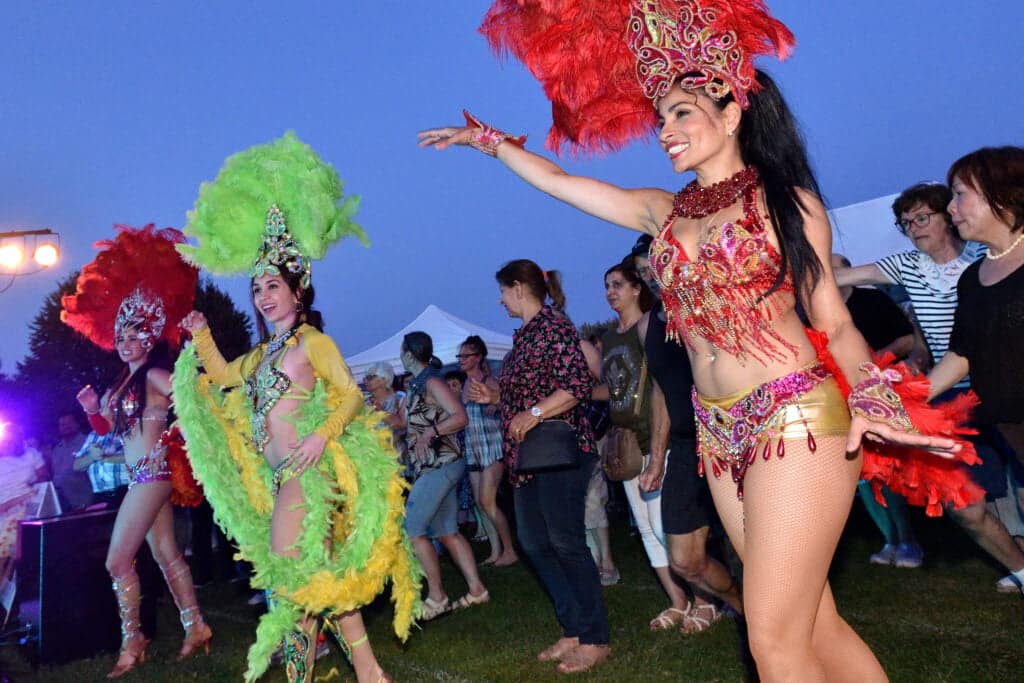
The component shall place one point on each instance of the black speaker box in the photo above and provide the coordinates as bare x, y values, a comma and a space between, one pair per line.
63, 590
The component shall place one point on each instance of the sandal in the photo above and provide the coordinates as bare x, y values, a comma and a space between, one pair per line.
699, 617
1009, 584
584, 658
432, 609
468, 600
669, 618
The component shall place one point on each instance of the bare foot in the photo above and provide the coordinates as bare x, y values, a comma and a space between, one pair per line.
506, 560
558, 651
584, 658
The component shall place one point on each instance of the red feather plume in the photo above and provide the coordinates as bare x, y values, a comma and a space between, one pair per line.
185, 490
923, 478
579, 51
136, 257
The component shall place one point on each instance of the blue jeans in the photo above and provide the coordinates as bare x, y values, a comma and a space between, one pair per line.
549, 519
432, 504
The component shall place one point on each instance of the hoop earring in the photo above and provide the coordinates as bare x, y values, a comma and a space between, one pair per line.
298, 306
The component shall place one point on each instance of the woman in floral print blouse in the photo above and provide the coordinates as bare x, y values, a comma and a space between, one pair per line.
544, 376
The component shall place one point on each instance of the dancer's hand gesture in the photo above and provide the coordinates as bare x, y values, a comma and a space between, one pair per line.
89, 399
862, 428
193, 321
306, 453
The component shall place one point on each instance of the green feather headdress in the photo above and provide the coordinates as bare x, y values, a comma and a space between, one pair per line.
271, 207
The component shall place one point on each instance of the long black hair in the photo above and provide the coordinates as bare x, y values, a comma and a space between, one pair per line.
159, 357
770, 139
306, 314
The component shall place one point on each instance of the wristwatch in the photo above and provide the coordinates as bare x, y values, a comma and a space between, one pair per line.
537, 412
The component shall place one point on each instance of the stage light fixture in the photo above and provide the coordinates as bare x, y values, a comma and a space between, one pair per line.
11, 256
46, 254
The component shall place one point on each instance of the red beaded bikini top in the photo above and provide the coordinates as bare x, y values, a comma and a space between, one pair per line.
721, 296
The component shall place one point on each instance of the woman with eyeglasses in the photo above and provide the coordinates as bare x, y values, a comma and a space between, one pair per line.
930, 272
484, 451
930, 275
988, 332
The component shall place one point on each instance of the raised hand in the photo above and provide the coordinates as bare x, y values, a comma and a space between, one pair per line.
89, 399
193, 321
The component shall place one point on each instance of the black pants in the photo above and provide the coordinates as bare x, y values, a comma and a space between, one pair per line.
549, 521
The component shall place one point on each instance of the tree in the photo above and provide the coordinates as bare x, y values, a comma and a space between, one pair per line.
598, 328
61, 361
231, 328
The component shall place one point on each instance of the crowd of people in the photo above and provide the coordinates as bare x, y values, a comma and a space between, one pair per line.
750, 383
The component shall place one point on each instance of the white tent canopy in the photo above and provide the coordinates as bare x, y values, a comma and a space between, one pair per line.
865, 232
447, 331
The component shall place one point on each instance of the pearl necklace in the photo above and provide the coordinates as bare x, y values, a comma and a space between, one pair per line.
995, 257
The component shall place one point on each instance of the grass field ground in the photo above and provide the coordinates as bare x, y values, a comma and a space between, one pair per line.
943, 622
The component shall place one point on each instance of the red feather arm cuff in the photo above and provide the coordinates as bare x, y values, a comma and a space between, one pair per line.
99, 424
923, 478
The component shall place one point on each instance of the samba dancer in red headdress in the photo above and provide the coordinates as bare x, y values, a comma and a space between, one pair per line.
131, 298
734, 252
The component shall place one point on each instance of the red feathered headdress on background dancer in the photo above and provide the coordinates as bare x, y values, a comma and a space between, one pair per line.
602, 62
137, 280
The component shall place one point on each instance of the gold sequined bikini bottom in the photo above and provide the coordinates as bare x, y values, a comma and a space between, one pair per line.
733, 430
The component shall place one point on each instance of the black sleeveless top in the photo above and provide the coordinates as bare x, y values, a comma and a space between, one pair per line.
670, 366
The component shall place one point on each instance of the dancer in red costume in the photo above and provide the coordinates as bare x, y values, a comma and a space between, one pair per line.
734, 252
131, 299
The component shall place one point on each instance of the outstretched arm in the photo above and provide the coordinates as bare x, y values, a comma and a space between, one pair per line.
641, 210
861, 275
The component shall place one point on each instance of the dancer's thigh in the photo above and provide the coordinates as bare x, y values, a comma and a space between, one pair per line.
161, 538
138, 510
728, 506
795, 509
286, 520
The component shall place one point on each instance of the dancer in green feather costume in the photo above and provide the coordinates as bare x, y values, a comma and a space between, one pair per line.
298, 470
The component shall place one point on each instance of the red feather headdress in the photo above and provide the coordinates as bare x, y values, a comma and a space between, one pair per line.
601, 62
137, 280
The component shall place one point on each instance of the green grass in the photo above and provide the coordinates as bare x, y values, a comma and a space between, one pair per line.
944, 622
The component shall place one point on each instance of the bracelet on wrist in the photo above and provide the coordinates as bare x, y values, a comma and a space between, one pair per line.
487, 138
875, 399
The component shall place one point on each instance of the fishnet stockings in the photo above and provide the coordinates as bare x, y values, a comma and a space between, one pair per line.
785, 530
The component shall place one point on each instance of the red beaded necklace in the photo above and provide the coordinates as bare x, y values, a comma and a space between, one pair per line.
694, 201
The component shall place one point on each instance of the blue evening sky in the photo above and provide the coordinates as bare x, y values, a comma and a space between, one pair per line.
114, 112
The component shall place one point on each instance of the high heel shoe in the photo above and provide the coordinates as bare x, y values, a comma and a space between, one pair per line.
133, 642
334, 627
197, 634
133, 653
300, 652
